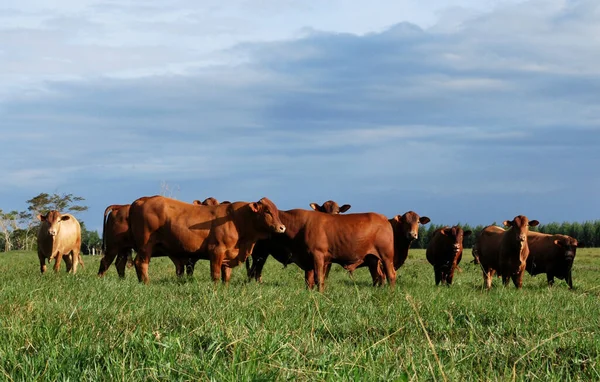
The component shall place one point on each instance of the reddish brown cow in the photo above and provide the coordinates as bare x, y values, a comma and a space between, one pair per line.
259, 257
314, 239
224, 234
552, 255
444, 252
505, 251
116, 241
59, 235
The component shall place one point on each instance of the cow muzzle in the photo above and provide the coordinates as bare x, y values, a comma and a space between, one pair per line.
280, 229
522, 238
52, 232
412, 236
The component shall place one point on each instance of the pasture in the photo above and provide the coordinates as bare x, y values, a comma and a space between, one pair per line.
80, 327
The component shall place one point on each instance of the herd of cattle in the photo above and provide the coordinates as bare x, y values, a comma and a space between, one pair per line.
228, 234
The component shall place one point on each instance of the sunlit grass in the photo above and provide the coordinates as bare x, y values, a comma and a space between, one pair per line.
60, 326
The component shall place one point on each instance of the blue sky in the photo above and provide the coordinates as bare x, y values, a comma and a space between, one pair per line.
464, 111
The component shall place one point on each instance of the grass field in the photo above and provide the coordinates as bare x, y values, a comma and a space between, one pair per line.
64, 327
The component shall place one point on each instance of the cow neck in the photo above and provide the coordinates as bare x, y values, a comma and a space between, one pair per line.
401, 245
241, 217
516, 245
292, 223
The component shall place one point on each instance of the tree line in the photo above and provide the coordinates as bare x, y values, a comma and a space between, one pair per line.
18, 229
587, 232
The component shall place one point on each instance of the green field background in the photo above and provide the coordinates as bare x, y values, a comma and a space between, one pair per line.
80, 327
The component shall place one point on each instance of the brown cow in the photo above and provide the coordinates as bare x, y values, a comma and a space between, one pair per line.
552, 255
59, 235
444, 252
259, 257
224, 234
406, 230
314, 239
505, 251
116, 241
330, 207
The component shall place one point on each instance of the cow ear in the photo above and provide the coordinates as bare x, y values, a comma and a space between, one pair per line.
467, 233
444, 232
315, 206
424, 220
397, 218
254, 207
557, 242
65, 217
507, 223
533, 223
345, 208
197, 202
226, 202
41, 217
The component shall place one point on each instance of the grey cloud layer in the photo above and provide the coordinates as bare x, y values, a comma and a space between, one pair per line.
446, 121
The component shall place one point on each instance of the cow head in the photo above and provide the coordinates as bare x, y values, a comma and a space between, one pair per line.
268, 214
210, 202
569, 245
456, 234
407, 225
330, 207
53, 220
520, 226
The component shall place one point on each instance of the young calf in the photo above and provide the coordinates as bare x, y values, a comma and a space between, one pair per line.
444, 252
505, 251
552, 255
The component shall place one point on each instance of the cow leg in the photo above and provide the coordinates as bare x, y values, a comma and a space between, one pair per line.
327, 270
107, 260
69, 262
487, 278
438, 276
309, 278
141, 267
216, 261
390, 272
57, 261
190, 266
550, 278
320, 271
76, 260
449, 277
258, 263
248, 267
505, 280
225, 274
376, 274
569, 279
42, 259
121, 263
518, 280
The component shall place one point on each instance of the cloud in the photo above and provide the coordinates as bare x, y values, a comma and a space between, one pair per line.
494, 108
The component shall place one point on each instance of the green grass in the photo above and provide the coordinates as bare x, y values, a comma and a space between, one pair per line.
64, 327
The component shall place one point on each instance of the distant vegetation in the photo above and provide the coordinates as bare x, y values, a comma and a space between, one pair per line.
18, 229
587, 232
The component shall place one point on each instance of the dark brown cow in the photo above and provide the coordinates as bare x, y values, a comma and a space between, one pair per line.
406, 230
116, 241
444, 252
59, 235
224, 234
552, 255
505, 251
314, 239
259, 257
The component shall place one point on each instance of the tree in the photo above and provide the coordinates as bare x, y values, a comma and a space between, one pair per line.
44, 202
8, 224
90, 240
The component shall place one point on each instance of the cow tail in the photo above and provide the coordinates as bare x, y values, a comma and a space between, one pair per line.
106, 212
